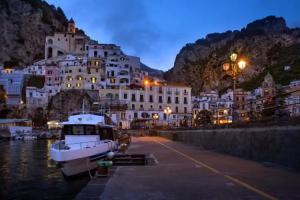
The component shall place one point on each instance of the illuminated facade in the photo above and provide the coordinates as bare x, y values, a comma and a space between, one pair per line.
151, 100
86, 74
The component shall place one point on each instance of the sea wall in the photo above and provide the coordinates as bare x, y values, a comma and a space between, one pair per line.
280, 145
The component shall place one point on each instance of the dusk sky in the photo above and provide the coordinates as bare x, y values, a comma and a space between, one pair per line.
156, 30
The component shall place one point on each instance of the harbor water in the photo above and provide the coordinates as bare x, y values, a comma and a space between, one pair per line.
27, 172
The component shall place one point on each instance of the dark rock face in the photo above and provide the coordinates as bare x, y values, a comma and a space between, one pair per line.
67, 102
152, 72
24, 26
199, 64
269, 24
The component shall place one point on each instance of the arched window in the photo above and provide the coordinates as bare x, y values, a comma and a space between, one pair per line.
93, 79
50, 41
69, 78
79, 78
124, 80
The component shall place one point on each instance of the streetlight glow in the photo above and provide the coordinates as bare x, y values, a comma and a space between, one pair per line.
226, 66
225, 112
242, 64
155, 116
233, 57
168, 110
233, 68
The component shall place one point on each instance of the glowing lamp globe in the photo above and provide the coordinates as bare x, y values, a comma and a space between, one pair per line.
226, 66
233, 57
242, 64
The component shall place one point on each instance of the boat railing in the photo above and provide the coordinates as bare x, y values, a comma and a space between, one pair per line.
61, 145
78, 112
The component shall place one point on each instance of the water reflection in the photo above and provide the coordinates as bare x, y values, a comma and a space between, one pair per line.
26, 172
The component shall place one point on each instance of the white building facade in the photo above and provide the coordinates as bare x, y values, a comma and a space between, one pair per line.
151, 100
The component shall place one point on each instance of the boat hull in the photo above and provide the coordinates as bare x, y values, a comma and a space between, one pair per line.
79, 166
74, 162
65, 155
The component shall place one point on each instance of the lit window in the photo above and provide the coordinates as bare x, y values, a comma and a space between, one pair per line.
78, 85
112, 80
93, 79
79, 78
69, 78
96, 63
68, 85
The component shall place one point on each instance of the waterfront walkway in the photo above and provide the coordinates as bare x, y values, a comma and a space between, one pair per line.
187, 172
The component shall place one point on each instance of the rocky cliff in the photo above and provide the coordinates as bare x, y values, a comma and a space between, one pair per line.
69, 101
151, 71
24, 26
267, 45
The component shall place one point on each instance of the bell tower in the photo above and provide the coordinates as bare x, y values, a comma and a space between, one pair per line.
71, 26
268, 86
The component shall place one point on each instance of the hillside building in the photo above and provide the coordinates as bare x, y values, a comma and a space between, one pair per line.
12, 83
70, 42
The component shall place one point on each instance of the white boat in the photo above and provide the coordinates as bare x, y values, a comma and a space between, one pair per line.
85, 138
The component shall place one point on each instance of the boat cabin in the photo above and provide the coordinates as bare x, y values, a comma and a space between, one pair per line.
105, 132
87, 130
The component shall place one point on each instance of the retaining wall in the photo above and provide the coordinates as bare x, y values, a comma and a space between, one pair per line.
279, 145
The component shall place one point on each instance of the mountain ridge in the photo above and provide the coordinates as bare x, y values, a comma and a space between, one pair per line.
151, 71
199, 63
26, 23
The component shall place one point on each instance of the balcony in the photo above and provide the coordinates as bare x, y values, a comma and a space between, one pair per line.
124, 81
123, 72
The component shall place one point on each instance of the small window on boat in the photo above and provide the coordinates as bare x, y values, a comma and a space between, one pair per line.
78, 130
90, 130
106, 134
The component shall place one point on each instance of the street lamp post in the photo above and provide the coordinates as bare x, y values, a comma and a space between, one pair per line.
155, 117
168, 112
233, 68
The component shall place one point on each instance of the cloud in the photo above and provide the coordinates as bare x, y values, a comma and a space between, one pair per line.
128, 25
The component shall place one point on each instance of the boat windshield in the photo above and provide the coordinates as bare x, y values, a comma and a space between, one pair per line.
106, 133
79, 130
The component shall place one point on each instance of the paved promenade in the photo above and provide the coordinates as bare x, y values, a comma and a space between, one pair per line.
187, 172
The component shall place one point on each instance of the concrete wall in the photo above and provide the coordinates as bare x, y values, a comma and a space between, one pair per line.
279, 145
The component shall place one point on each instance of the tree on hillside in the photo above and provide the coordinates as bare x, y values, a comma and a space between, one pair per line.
204, 117
39, 119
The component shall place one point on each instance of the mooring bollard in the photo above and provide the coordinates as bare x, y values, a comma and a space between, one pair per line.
103, 166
